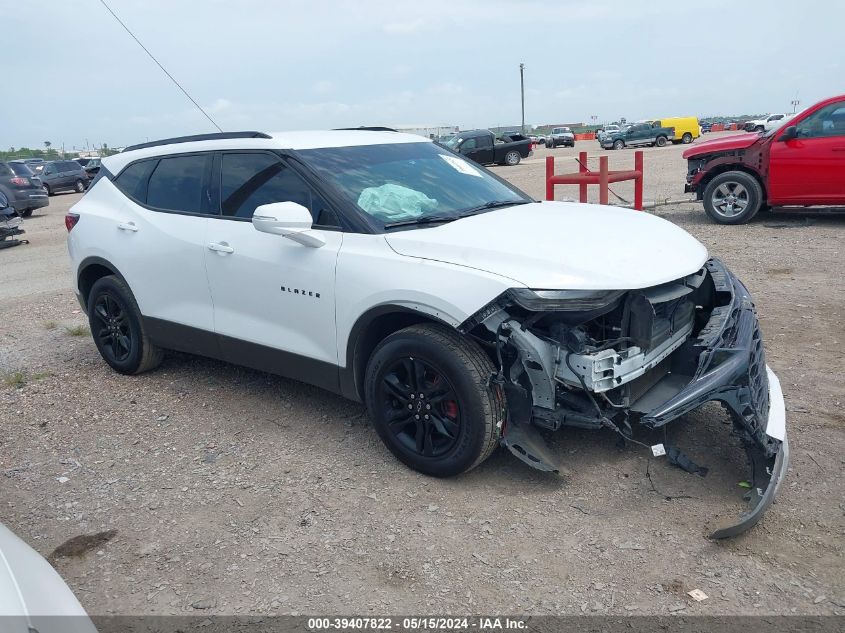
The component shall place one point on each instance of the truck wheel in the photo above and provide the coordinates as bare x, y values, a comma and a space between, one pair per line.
428, 393
733, 197
686, 139
661, 141
512, 158
618, 144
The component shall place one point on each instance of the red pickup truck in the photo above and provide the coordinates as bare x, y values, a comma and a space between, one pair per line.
797, 165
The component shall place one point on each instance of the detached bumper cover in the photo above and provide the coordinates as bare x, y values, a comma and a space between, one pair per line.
732, 370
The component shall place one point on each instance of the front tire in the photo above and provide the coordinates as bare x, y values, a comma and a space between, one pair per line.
512, 158
47, 190
428, 393
117, 328
733, 197
619, 144
79, 186
27, 213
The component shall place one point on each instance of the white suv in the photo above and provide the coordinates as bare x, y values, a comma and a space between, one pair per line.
386, 268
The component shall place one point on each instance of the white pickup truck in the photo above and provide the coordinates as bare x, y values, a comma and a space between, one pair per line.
767, 123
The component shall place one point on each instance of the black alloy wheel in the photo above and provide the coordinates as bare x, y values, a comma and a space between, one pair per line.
421, 407
117, 327
113, 332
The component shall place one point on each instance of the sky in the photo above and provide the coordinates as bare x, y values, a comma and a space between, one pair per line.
74, 77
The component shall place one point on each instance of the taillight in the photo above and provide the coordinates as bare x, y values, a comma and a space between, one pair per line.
70, 221
20, 182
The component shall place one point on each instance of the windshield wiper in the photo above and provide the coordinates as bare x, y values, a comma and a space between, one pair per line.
432, 219
494, 204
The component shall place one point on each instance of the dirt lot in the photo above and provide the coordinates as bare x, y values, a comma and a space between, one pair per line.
235, 492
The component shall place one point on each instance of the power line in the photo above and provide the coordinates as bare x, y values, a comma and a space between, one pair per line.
164, 70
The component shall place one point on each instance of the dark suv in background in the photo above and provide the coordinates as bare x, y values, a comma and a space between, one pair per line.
63, 175
22, 187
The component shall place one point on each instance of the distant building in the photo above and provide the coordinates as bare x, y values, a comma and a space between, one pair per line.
429, 131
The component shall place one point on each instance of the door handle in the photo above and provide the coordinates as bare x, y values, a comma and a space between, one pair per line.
127, 226
220, 247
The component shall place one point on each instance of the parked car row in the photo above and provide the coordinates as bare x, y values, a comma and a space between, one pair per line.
23, 189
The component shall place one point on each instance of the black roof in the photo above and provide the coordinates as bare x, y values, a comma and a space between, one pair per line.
217, 136
366, 128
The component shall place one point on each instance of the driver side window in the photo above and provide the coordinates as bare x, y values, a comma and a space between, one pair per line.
469, 145
251, 179
829, 121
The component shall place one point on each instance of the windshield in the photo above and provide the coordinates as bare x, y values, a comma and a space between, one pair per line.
410, 183
452, 142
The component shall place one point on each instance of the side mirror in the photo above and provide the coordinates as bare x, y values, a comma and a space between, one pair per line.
288, 219
788, 133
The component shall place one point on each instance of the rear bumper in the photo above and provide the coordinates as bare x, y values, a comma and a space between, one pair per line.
29, 199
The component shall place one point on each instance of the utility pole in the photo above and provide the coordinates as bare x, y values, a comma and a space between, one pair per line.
794, 103
522, 94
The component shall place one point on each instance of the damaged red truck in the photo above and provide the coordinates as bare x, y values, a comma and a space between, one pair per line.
801, 164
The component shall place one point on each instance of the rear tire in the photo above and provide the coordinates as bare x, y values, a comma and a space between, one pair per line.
661, 141
686, 139
79, 186
733, 197
117, 328
428, 393
27, 213
512, 158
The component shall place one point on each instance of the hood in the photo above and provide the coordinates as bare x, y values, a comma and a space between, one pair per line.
735, 141
561, 245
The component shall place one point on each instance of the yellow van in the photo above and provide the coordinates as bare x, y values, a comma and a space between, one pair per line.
687, 128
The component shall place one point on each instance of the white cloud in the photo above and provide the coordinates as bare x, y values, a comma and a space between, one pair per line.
219, 105
401, 28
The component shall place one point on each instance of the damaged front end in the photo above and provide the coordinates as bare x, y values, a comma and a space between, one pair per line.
612, 359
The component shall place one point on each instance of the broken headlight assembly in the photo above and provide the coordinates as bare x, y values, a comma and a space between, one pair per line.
564, 300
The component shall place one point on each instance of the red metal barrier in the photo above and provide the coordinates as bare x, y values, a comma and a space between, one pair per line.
602, 178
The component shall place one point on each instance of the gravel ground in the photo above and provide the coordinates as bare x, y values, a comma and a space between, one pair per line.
234, 491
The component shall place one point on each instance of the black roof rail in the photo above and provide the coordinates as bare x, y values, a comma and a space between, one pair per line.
366, 128
217, 136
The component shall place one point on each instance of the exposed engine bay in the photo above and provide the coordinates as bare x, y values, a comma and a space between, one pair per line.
615, 359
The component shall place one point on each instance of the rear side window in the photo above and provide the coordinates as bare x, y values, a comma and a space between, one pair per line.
133, 180
5, 170
250, 180
20, 169
177, 183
